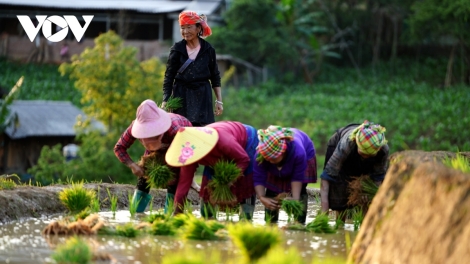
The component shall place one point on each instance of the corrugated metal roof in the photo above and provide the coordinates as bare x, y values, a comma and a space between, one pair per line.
203, 7
45, 118
149, 6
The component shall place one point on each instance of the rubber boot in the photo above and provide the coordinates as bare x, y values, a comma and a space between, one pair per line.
142, 199
247, 211
303, 217
169, 202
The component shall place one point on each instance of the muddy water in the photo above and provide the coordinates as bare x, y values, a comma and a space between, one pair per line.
22, 242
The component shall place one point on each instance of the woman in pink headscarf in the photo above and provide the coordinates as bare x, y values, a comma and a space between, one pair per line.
192, 72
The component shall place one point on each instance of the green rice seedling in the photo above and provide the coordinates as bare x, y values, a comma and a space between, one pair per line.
225, 174
192, 257
154, 217
460, 163
357, 217
161, 227
76, 198
132, 204
83, 214
320, 225
293, 208
95, 203
198, 229
127, 230
173, 103
151, 206
278, 255
180, 220
254, 242
187, 207
74, 251
369, 188
113, 201
339, 219
156, 170
6, 181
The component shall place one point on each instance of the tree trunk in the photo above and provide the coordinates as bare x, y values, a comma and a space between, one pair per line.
378, 38
450, 63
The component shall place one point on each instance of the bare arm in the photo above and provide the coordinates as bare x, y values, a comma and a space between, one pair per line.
219, 107
324, 190
269, 203
296, 189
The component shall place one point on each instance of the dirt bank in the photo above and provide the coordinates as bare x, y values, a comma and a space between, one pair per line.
31, 201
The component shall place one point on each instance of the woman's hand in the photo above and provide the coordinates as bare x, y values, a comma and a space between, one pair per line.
136, 170
270, 204
219, 108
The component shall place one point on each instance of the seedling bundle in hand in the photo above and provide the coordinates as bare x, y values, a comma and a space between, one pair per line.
293, 208
362, 190
225, 174
155, 169
173, 103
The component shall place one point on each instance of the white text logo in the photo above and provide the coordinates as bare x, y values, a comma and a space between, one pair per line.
65, 23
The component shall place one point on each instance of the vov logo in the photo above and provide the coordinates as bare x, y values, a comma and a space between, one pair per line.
65, 23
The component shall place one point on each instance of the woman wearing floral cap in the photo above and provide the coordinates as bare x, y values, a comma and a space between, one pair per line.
192, 72
286, 164
353, 151
220, 141
155, 129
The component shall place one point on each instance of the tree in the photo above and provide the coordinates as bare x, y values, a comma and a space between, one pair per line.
112, 81
432, 19
5, 118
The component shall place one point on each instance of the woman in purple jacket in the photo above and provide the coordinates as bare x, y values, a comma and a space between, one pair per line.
286, 164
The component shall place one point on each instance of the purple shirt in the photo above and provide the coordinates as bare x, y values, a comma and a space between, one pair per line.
299, 151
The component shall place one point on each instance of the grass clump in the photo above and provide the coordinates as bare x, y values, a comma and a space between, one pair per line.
320, 225
293, 208
76, 198
460, 163
162, 227
74, 251
225, 174
254, 242
132, 204
155, 169
6, 181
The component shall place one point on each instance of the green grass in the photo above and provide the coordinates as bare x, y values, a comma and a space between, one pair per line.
74, 251
76, 198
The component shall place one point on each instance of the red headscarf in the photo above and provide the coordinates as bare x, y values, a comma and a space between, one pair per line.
192, 18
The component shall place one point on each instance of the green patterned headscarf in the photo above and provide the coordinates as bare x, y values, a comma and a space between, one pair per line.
369, 138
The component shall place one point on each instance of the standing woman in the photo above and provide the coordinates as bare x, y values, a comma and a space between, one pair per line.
192, 72
287, 163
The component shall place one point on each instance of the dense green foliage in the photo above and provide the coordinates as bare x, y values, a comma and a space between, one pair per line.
416, 114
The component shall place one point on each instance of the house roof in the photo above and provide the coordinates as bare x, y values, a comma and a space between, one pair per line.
146, 6
38, 118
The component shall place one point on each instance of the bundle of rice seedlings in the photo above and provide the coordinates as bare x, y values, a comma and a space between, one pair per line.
155, 169
180, 220
362, 190
76, 198
293, 208
162, 227
320, 225
154, 217
173, 103
254, 242
127, 230
198, 229
225, 174
75, 250
294, 226
460, 163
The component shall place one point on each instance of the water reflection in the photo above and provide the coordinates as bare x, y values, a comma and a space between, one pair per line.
22, 241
